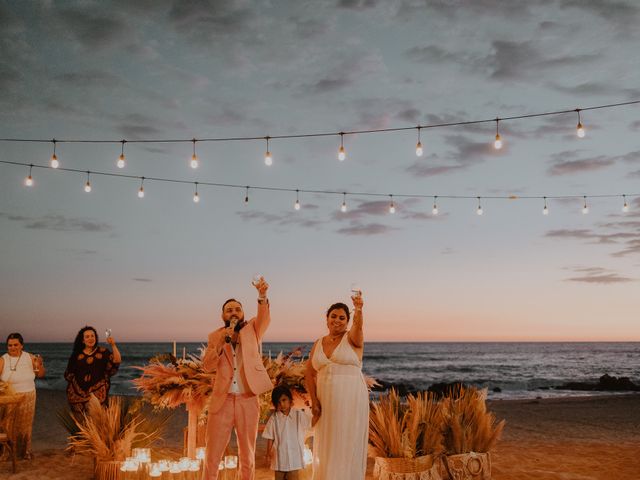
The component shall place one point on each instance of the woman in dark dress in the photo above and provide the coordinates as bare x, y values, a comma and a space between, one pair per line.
90, 369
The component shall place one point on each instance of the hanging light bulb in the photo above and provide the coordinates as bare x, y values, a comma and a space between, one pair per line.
479, 211
434, 210
246, 196
28, 181
268, 158
54, 163
392, 206
121, 160
343, 207
141, 189
419, 150
585, 207
194, 157
545, 210
625, 206
497, 144
87, 186
342, 154
196, 197
579, 128
297, 204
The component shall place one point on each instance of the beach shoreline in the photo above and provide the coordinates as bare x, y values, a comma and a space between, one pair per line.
570, 438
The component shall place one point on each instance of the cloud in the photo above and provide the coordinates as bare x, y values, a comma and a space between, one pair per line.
597, 275
365, 229
95, 31
60, 223
142, 279
93, 78
357, 4
352, 68
634, 174
285, 219
602, 279
422, 169
567, 233
579, 166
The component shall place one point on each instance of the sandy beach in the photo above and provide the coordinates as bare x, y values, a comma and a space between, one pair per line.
564, 439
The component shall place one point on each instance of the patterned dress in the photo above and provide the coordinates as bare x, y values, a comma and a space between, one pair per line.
87, 375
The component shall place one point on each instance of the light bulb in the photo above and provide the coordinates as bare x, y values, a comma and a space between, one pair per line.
580, 130
196, 197
343, 208
54, 161
297, 205
434, 210
585, 209
194, 161
29, 181
498, 142
87, 186
545, 210
268, 159
392, 208
121, 162
479, 211
342, 154
419, 150
141, 192
625, 207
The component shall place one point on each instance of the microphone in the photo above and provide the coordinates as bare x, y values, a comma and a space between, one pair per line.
232, 323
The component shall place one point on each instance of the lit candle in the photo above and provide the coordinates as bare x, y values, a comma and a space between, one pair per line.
201, 453
184, 353
174, 348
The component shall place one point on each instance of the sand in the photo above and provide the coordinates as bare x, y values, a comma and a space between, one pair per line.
564, 439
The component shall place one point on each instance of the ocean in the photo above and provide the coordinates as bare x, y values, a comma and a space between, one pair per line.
519, 370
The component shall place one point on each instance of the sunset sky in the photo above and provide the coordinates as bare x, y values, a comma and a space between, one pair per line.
159, 268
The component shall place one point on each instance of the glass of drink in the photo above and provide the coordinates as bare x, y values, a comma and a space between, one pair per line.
256, 279
356, 290
107, 333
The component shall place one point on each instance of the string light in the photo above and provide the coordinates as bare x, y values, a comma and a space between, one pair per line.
343, 207
497, 144
54, 158
268, 158
297, 204
434, 210
196, 196
392, 206
545, 210
246, 195
579, 128
194, 157
28, 181
419, 150
479, 211
298, 191
342, 154
121, 160
625, 206
141, 189
585, 207
87, 186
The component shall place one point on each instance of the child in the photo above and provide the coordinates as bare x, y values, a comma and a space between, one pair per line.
285, 433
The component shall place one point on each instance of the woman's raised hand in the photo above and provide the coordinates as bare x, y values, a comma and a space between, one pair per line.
357, 301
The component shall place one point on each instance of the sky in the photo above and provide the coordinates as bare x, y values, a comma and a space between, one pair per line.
159, 268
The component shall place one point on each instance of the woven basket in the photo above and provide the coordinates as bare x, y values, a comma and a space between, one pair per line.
107, 470
420, 468
466, 466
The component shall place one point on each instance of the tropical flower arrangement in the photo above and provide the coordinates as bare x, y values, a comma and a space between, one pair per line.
167, 382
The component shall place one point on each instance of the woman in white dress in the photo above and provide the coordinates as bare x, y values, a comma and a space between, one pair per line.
339, 397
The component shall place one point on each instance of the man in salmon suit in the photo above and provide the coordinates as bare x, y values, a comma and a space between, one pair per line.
234, 352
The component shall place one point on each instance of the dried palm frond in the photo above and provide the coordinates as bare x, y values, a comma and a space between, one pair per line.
469, 427
386, 425
109, 433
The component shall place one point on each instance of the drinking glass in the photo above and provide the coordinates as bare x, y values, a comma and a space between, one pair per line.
107, 332
255, 280
356, 290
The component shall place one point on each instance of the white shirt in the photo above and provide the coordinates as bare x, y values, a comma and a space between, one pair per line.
288, 434
18, 371
238, 382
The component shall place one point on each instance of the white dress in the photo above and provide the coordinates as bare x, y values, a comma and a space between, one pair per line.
342, 432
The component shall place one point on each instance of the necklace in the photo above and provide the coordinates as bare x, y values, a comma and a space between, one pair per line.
90, 353
14, 367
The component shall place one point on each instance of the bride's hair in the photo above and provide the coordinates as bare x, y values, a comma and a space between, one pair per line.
339, 306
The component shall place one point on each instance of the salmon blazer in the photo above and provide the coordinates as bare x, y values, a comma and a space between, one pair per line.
250, 337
